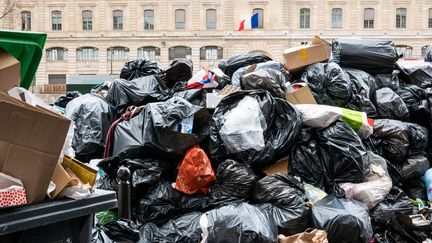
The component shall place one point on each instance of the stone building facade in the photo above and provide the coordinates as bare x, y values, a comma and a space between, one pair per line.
83, 35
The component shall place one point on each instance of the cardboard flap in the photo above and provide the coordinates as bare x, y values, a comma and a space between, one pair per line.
318, 41
10, 71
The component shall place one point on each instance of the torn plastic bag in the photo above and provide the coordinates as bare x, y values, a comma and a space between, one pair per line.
415, 167
266, 79
140, 68
372, 56
418, 102
238, 223
92, 116
238, 61
122, 230
364, 86
390, 105
172, 126
329, 84
344, 219
395, 201
137, 92
321, 116
233, 179
428, 54
415, 188
275, 65
388, 80
376, 186
282, 197
185, 228
195, 172
179, 70
420, 74
63, 100
254, 128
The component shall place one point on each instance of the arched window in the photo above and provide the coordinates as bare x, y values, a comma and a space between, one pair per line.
117, 19
179, 52
337, 18
87, 53
149, 53
211, 53
211, 19
56, 54
56, 19
148, 19
87, 20
180, 19
260, 12
304, 18
405, 50
118, 53
369, 16
401, 14
26, 20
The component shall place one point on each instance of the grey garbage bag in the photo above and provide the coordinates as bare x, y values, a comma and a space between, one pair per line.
390, 105
266, 79
275, 65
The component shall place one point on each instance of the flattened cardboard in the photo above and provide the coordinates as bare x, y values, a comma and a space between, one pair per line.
60, 178
10, 71
301, 96
298, 57
31, 139
279, 167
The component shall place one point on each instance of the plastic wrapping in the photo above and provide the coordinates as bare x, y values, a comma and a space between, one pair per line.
372, 56
238, 223
137, 92
233, 179
329, 84
266, 79
420, 74
428, 54
238, 61
280, 129
63, 100
376, 186
92, 116
140, 68
179, 70
390, 105
282, 198
277, 66
343, 219
364, 86
418, 102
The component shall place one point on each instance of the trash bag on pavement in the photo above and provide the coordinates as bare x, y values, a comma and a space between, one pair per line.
364, 86
415, 167
195, 172
63, 100
172, 126
185, 228
390, 105
233, 179
140, 68
428, 54
372, 56
329, 84
266, 79
137, 92
179, 70
420, 74
122, 230
254, 128
238, 223
92, 116
418, 102
344, 219
275, 65
235, 62
282, 197
376, 186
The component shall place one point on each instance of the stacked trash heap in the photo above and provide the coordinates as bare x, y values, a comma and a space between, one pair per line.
351, 167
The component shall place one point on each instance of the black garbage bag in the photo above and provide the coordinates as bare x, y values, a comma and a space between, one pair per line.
364, 86
233, 179
402, 230
63, 100
390, 105
160, 125
99, 236
239, 223
418, 139
428, 54
140, 68
237, 61
372, 56
282, 197
415, 188
122, 230
275, 65
266, 79
179, 70
395, 201
107, 182
254, 128
329, 84
92, 116
390, 80
418, 102
420, 74
344, 219
204, 203
185, 228
137, 92
194, 96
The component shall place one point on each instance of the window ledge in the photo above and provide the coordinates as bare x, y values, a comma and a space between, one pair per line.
56, 4
337, 2
258, 2
86, 5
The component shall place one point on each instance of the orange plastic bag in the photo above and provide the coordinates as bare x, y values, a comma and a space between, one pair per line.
195, 172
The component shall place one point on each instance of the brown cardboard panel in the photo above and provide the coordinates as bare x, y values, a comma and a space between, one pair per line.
60, 178
301, 96
279, 167
10, 71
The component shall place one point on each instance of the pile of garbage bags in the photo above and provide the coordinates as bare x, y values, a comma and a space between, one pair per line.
351, 167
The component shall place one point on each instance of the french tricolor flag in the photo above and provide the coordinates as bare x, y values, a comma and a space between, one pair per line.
250, 23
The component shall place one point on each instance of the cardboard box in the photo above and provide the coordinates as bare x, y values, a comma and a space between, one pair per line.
298, 57
10, 71
31, 139
279, 167
302, 95
85, 174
